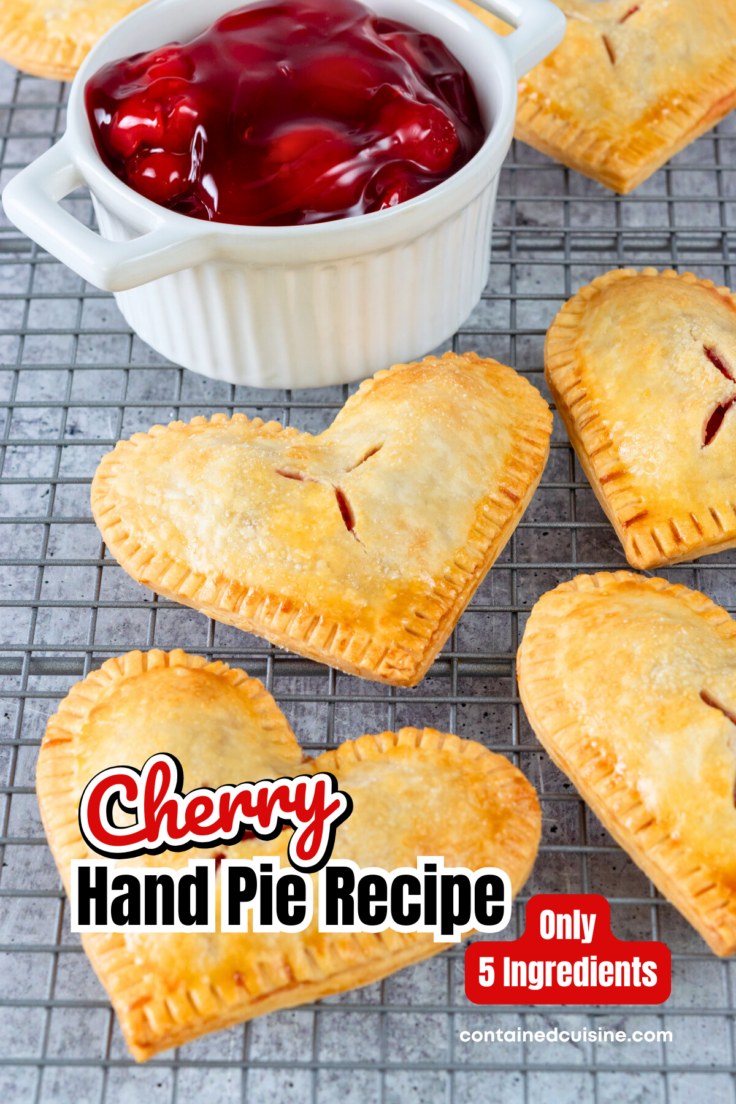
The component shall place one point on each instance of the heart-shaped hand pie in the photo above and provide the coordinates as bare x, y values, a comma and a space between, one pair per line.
415, 792
359, 547
642, 367
53, 41
630, 684
632, 82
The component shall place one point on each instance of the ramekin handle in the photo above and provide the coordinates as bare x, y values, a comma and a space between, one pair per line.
540, 28
31, 202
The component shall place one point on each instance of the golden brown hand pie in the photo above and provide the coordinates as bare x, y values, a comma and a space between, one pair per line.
632, 82
415, 792
630, 684
51, 38
642, 368
359, 547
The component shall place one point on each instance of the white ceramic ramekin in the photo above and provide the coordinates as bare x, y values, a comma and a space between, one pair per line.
289, 306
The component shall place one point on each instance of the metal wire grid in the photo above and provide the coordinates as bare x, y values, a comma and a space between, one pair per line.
73, 379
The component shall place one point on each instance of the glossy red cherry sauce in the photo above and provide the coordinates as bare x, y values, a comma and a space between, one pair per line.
287, 113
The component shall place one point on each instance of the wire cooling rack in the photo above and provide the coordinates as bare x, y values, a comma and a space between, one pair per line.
73, 379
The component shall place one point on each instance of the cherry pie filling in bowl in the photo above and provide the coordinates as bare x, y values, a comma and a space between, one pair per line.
287, 113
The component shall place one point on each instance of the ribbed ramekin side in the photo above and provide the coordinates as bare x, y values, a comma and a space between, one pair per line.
318, 323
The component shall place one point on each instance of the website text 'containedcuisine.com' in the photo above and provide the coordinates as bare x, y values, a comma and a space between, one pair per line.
554, 1035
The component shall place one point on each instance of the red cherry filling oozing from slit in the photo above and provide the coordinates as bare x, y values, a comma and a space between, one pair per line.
715, 420
343, 505
720, 364
345, 509
287, 113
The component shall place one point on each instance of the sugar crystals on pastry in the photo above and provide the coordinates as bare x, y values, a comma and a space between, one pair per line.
632, 82
359, 547
642, 368
52, 39
414, 792
630, 684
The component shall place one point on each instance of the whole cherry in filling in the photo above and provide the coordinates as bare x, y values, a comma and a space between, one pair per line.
287, 113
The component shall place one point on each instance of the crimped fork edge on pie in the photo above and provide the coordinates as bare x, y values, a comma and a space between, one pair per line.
647, 541
52, 40
154, 1012
628, 87
410, 627
703, 894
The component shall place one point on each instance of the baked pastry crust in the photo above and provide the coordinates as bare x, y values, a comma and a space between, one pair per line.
631, 84
415, 792
359, 547
53, 39
629, 683
638, 364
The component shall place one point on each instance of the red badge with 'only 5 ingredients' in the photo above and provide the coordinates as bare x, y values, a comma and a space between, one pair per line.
568, 955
